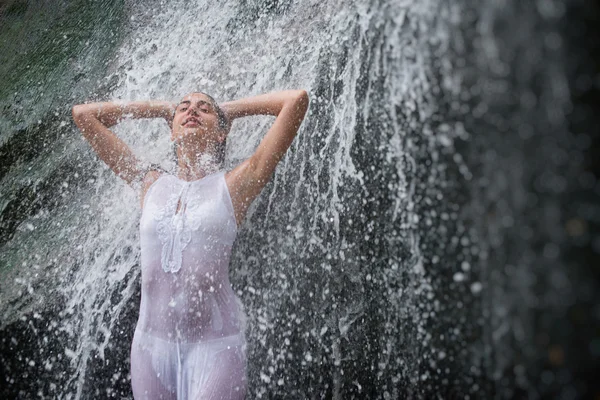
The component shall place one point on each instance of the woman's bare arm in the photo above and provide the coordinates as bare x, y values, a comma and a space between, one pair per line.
94, 120
248, 179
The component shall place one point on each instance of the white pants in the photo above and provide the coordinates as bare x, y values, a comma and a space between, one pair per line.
207, 370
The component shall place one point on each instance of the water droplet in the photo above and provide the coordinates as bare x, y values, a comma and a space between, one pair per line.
476, 287
458, 277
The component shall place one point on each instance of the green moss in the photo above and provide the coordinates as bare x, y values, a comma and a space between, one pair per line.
41, 42
13, 8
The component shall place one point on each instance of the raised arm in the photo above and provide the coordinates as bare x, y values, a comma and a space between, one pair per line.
94, 120
248, 179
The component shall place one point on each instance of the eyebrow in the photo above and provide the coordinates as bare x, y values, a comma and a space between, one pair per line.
188, 102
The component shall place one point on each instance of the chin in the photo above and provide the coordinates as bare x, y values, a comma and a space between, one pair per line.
187, 133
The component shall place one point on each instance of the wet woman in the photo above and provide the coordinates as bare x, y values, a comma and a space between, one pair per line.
189, 340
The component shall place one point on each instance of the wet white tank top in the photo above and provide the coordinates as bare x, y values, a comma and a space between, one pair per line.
187, 230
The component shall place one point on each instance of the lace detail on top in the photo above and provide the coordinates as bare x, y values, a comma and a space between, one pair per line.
172, 230
175, 211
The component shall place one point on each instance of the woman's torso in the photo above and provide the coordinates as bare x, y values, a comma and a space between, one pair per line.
187, 230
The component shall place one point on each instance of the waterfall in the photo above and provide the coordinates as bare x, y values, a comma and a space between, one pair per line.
416, 240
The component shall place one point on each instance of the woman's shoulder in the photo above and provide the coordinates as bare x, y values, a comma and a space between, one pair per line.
151, 174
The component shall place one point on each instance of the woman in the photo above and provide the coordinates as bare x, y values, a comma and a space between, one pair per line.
189, 339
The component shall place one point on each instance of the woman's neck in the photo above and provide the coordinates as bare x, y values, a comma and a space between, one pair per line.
194, 165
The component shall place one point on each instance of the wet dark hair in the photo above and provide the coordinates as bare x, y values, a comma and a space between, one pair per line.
223, 124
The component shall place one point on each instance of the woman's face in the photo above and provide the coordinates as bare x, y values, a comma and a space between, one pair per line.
196, 119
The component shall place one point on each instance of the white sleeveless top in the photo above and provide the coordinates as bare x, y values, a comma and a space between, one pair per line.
185, 252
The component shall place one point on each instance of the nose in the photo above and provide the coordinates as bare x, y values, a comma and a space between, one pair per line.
192, 110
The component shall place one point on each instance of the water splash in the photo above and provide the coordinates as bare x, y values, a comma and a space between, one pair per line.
384, 260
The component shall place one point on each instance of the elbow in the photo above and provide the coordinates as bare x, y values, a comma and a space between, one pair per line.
81, 117
302, 99
81, 114
77, 112
303, 96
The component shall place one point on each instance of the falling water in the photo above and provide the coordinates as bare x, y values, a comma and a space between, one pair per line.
415, 241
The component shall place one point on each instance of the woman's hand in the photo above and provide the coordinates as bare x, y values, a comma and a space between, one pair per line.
247, 179
264, 104
110, 113
94, 121
229, 117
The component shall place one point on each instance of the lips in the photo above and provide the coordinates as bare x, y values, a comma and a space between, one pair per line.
191, 121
